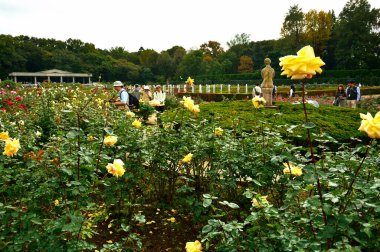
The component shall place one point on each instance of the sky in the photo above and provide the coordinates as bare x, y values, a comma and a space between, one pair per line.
153, 24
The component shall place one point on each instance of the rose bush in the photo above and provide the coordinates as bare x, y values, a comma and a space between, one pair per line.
82, 177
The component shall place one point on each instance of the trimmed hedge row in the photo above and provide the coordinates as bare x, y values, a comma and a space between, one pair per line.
340, 123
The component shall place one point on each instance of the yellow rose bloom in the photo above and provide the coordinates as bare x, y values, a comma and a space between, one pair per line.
190, 81
130, 114
294, 170
302, 66
4, 136
370, 125
136, 124
188, 103
218, 131
172, 219
110, 140
90, 138
187, 158
11, 147
56, 202
193, 246
116, 168
261, 202
258, 102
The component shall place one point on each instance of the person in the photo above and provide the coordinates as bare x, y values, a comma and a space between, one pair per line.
340, 96
256, 91
358, 89
353, 94
292, 91
160, 97
146, 95
122, 94
274, 91
136, 91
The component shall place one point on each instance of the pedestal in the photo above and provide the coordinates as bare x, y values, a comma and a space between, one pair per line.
267, 94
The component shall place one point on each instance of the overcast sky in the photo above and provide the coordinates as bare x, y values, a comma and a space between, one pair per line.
154, 24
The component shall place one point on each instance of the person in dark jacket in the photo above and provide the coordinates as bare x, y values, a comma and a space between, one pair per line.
340, 96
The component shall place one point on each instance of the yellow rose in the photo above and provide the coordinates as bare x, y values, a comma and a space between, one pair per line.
90, 138
172, 219
261, 202
190, 81
56, 202
4, 136
116, 168
187, 158
188, 103
136, 124
193, 246
218, 131
11, 147
302, 66
130, 114
258, 102
110, 140
370, 125
294, 170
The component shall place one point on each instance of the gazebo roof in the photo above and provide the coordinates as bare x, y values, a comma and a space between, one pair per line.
51, 73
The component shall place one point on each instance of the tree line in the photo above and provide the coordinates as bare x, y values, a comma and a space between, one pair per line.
350, 40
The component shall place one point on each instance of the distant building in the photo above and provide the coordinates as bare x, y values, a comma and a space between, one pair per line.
53, 75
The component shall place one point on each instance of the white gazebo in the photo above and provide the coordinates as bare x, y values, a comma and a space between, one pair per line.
52, 74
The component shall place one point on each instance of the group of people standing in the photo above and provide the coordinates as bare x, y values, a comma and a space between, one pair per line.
126, 96
347, 97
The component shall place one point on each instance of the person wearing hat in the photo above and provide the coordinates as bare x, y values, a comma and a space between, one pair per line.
122, 94
146, 95
160, 97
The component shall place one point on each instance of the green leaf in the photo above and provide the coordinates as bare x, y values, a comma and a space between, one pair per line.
206, 229
72, 134
308, 125
314, 103
207, 202
231, 205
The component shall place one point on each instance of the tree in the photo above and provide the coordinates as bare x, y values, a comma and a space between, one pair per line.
212, 48
191, 65
148, 58
239, 39
292, 27
357, 35
165, 65
246, 64
318, 27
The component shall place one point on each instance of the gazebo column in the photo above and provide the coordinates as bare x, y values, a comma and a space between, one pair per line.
61, 79
89, 80
35, 79
16, 79
73, 79
49, 79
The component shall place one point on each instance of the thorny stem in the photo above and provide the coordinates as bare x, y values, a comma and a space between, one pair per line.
349, 189
319, 187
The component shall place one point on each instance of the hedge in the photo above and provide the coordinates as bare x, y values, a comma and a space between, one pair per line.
340, 123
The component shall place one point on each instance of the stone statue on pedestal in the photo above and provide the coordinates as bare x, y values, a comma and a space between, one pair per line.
267, 73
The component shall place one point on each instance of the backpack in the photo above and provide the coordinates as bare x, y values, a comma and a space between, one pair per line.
133, 102
352, 93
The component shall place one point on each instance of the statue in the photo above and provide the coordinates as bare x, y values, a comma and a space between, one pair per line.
267, 73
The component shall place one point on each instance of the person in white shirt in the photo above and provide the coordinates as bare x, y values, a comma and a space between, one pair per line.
160, 97
256, 91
